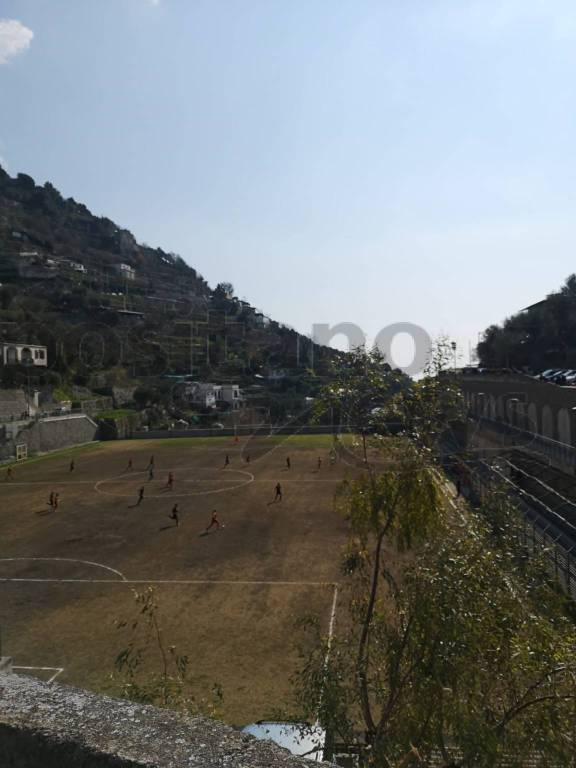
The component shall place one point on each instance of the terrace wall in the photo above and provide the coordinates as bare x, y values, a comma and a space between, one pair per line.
49, 434
55, 726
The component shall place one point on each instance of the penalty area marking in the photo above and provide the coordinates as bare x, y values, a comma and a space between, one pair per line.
64, 560
56, 670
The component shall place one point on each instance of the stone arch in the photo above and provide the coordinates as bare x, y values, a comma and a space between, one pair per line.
564, 426
491, 407
547, 421
25, 355
532, 419
501, 408
519, 415
11, 355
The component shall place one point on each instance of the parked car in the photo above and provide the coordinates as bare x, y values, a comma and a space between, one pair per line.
560, 377
549, 373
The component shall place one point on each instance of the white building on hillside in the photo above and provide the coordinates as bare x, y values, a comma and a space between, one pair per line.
207, 395
12, 353
128, 272
231, 394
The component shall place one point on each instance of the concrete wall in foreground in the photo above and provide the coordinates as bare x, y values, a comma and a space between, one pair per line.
53, 726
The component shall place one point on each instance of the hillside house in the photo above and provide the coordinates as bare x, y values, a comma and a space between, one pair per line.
230, 394
76, 266
126, 271
207, 395
261, 320
13, 353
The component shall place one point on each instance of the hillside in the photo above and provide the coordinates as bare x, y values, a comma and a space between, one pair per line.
538, 337
111, 309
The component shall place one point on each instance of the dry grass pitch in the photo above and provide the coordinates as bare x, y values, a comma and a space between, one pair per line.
229, 599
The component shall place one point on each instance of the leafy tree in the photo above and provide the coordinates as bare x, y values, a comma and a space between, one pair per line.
538, 337
450, 655
360, 392
455, 646
224, 291
427, 408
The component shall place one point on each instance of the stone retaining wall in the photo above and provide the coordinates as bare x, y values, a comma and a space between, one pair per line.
50, 434
54, 726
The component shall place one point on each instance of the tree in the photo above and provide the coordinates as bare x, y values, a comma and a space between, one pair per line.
224, 291
151, 672
540, 336
451, 655
428, 407
455, 646
360, 393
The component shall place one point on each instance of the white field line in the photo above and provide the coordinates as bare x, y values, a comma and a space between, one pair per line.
63, 560
176, 582
57, 671
331, 626
117, 479
170, 493
10, 483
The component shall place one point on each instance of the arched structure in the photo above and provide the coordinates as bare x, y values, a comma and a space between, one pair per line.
532, 423
564, 422
491, 406
547, 422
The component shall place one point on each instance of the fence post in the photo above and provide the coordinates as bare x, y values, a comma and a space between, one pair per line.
555, 562
525, 534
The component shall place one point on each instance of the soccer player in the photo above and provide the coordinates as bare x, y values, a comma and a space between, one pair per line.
129, 467
9, 474
226, 461
170, 483
151, 462
288, 462
247, 458
319, 463
140, 496
150, 472
56, 501
174, 515
278, 496
214, 522
51, 500
72, 466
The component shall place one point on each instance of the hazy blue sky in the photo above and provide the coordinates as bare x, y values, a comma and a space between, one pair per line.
369, 161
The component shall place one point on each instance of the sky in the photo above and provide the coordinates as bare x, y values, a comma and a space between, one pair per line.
363, 161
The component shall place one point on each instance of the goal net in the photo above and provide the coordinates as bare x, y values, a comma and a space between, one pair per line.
21, 452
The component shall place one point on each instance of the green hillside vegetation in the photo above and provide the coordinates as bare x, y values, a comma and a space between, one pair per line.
114, 311
539, 337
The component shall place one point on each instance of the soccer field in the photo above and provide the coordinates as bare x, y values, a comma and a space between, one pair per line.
228, 598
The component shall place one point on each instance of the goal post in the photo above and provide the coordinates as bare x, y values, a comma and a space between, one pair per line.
21, 452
